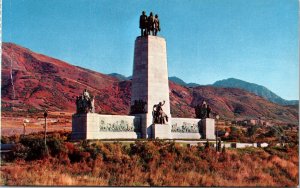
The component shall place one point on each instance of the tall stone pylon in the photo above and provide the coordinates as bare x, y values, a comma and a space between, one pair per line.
150, 78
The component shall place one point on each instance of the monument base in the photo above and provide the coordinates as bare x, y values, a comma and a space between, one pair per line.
161, 131
97, 126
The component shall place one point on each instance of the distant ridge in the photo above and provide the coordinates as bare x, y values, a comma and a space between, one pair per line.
254, 88
172, 78
230, 83
119, 76
181, 82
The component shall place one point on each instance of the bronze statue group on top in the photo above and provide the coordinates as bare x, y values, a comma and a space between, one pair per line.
149, 25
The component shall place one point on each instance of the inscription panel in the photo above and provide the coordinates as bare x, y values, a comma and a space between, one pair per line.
120, 126
184, 125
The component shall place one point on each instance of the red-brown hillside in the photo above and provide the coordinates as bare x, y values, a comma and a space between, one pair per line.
44, 82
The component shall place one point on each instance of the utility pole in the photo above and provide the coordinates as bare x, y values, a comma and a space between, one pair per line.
45, 116
217, 117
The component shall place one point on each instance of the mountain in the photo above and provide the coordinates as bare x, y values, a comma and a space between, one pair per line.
181, 82
40, 82
177, 80
172, 78
256, 89
120, 76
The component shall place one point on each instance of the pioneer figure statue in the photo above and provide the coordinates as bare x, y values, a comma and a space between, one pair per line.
143, 24
158, 114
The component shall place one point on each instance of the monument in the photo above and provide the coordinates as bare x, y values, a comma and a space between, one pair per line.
150, 115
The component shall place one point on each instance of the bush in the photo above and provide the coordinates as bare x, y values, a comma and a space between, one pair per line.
20, 152
5, 140
37, 148
56, 146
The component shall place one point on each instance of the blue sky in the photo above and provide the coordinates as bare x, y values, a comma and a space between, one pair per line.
207, 40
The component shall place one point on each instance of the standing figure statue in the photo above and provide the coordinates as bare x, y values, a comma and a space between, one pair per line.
156, 25
92, 107
208, 110
143, 24
150, 27
86, 94
158, 114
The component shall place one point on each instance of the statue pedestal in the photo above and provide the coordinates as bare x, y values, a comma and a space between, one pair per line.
208, 128
150, 82
161, 131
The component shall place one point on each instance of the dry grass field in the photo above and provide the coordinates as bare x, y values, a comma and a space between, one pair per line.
14, 125
151, 163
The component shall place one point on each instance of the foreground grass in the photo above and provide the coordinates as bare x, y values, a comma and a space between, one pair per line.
153, 163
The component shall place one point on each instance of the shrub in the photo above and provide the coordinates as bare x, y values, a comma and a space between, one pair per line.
20, 152
55, 146
37, 148
5, 140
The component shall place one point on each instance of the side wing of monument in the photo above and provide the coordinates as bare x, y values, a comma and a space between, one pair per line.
150, 115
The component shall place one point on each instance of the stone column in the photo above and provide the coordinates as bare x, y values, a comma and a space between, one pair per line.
150, 77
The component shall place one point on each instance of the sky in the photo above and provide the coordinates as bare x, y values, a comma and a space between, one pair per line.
207, 40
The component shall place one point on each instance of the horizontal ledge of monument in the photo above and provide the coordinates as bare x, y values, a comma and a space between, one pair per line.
186, 136
173, 132
191, 119
102, 115
113, 135
195, 119
150, 37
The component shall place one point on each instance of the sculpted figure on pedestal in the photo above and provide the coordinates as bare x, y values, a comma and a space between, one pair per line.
158, 114
143, 24
85, 103
156, 25
202, 111
150, 28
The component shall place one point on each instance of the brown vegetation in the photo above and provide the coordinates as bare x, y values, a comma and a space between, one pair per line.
145, 163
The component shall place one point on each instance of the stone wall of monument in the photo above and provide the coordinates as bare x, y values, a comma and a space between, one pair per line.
185, 128
79, 126
189, 128
106, 126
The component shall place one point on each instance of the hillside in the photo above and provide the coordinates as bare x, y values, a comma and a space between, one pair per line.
44, 82
41, 82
